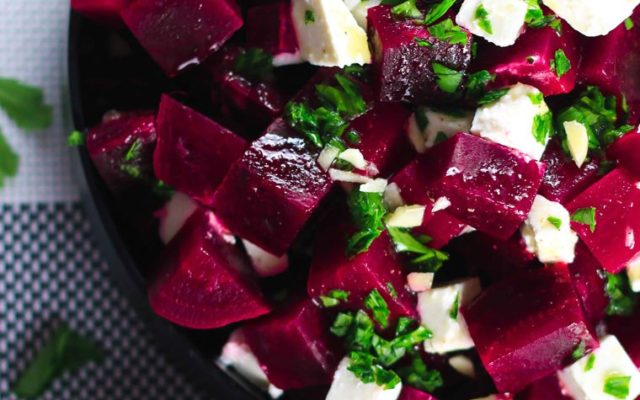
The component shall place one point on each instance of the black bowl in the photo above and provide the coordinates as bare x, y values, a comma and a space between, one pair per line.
98, 82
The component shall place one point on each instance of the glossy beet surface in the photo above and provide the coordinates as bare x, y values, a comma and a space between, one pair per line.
589, 283
110, 142
544, 389
491, 187
626, 330
440, 226
404, 69
616, 199
202, 281
409, 393
270, 27
294, 346
527, 326
103, 11
625, 150
182, 33
194, 152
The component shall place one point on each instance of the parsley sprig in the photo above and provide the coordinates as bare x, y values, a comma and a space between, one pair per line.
367, 212
622, 300
425, 257
254, 64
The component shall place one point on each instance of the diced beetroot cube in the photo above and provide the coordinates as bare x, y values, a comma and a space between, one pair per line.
527, 326
105, 11
626, 150
589, 284
441, 227
271, 191
403, 68
409, 393
193, 153
529, 60
563, 180
626, 330
490, 187
294, 346
331, 269
611, 62
182, 33
616, 199
383, 139
270, 27
120, 134
544, 389
203, 281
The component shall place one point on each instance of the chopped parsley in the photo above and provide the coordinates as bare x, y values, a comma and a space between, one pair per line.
9, 160
353, 137
392, 291
477, 83
24, 105
367, 212
449, 32
542, 127
133, 152
419, 376
453, 312
254, 64
578, 352
437, 11
406, 9
447, 79
482, 16
555, 221
425, 257
375, 303
341, 324
535, 17
588, 366
585, 216
628, 23
334, 298
560, 64
622, 300
422, 42
75, 139
536, 98
131, 158
492, 96
617, 386
309, 17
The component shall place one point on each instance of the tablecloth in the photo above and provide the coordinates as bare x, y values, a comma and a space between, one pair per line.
50, 268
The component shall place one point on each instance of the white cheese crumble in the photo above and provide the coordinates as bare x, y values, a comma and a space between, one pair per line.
347, 176
426, 126
586, 378
442, 203
633, 272
577, 141
327, 156
354, 157
593, 17
174, 215
511, 120
463, 365
406, 216
504, 20
420, 281
547, 232
346, 385
437, 309
377, 185
392, 196
265, 263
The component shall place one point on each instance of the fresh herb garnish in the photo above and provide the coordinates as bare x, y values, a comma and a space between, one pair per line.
133, 152
477, 83
422, 42
535, 17
482, 16
586, 216
628, 24
437, 11
334, 297
492, 96
578, 352
449, 32
536, 98
375, 303
24, 105
419, 376
560, 64
367, 212
622, 300
254, 64
75, 139
588, 366
542, 127
453, 312
392, 291
617, 385
406, 9
9, 160
309, 17
430, 259
555, 221
448, 79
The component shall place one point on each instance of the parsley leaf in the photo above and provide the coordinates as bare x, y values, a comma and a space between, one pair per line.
422, 42
492, 96
367, 212
406, 9
378, 307
65, 351
477, 82
309, 17
617, 385
392, 291
555, 221
404, 242
24, 104
9, 160
535, 17
590, 363
254, 64
75, 139
419, 376
482, 16
578, 352
542, 127
334, 298
342, 324
447, 79
586, 216
437, 11
453, 312
560, 64
448, 32
628, 24
621, 298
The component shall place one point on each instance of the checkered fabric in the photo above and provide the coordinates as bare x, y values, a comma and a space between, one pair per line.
51, 270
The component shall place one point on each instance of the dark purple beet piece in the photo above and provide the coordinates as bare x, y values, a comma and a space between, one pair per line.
270, 27
403, 69
527, 326
626, 330
625, 150
529, 60
271, 191
182, 33
202, 281
491, 187
543, 389
332, 269
563, 180
616, 199
409, 393
612, 63
194, 152
589, 284
294, 346
110, 141
105, 11
383, 138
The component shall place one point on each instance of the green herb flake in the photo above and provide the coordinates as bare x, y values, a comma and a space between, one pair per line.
578, 352
453, 312
585, 216
133, 153
437, 11
542, 127
429, 259
449, 32
560, 64
254, 64
24, 105
628, 23
132, 170
367, 212
440, 137
536, 19
75, 139
378, 307
477, 83
309, 17
555, 221
617, 386
448, 79
392, 291
65, 351
622, 299
419, 376
342, 324
9, 160
422, 42
591, 361
353, 137
406, 9
482, 16
334, 298
492, 96
536, 98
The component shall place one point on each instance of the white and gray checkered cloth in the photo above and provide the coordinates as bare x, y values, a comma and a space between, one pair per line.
50, 269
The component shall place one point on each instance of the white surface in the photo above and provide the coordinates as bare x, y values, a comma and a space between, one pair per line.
346, 386
577, 141
406, 216
33, 36
437, 122
265, 263
593, 17
174, 214
360, 10
610, 358
506, 17
633, 272
434, 307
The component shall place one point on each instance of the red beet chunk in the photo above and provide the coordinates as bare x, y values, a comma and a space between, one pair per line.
409, 393
626, 330
332, 269
527, 326
182, 33
491, 187
106, 11
441, 227
383, 139
110, 141
203, 281
270, 27
294, 346
563, 180
544, 389
589, 284
193, 153
626, 150
612, 62
529, 59
271, 191
616, 199
403, 69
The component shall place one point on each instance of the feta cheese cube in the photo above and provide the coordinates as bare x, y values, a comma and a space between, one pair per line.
428, 126
586, 378
360, 8
593, 17
346, 385
174, 214
328, 33
501, 22
438, 309
547, 232
513, 119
